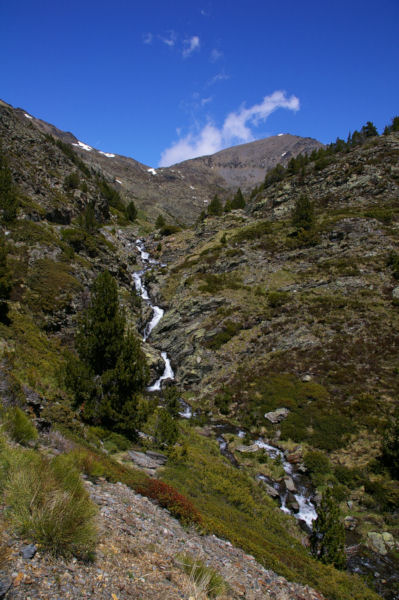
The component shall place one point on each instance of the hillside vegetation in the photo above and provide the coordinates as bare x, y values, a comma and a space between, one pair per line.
289, 301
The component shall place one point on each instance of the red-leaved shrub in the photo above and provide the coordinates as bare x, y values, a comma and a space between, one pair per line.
168, 497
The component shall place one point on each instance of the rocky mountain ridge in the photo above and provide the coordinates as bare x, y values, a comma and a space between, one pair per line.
182, 191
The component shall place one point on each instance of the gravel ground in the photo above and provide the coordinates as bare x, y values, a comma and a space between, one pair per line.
137, 559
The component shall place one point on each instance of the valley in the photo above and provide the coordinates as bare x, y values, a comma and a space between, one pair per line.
272, 347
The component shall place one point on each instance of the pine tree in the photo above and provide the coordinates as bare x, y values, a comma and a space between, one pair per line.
131, 211
327, 540
5, 282
238, 200
215, 207
101, 328
303, 214
390, 448
369, 130
112, 369
160, 222
8, 192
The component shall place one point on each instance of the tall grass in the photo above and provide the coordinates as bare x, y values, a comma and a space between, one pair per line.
47, 502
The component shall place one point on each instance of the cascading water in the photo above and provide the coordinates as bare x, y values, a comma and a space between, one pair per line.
157, 314
306, 510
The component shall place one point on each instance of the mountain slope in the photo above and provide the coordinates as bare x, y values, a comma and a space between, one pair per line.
245, 165
180, 192
257, 318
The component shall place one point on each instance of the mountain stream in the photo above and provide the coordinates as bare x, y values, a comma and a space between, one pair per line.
301, 504
294, 490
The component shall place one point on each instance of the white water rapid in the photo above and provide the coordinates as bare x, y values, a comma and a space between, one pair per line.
157, 314
307, 511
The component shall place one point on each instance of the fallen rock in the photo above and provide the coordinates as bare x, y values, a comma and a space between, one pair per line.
28, 551
395, 293
377, 543
289, 484
252, 448
144, 461
275, 416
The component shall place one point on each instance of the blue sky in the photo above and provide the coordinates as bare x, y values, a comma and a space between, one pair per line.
162, 82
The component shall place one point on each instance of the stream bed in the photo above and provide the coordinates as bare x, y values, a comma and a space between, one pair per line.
294, 491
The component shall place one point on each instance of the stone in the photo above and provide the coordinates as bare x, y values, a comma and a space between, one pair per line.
275, 416
28, 551
289, 484
306, 378
389, 540
395, 293
144, 461
376, 542
5, 585
252, 448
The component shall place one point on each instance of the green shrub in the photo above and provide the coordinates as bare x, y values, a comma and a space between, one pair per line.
317, 462
277, 299
206, 579
251, 232
352, 478
47, 503
229, 330
20, 427
72, 181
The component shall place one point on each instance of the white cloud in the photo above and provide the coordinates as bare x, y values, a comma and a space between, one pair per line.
190, 45
218, 77
147, 38
205, 101
170, 40
237, 128
215, 55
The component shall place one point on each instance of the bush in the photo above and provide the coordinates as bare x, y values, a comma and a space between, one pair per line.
48, 503
317, 462
131, 211
20, 427
206, 579
303, 214
277, 299
72, 181
168, 497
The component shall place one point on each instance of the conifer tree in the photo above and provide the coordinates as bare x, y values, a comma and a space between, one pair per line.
328, 537
8, 192
101, 328
160, 222
5, 282
215, 206
238, 200
303, 214
390, 448
131, 211
112, 369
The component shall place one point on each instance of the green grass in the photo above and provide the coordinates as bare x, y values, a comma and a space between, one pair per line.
35, 359
234, 507
20, 427
47, 503
51, 286
206, 579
